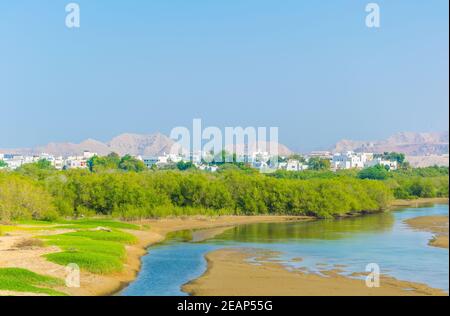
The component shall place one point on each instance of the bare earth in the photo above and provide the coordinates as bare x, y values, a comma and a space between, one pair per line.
94, 284
438, 225
418, 202
230, 273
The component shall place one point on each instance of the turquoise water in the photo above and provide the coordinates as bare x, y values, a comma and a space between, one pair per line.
354, 242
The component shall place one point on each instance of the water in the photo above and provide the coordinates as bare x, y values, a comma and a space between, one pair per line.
354, 242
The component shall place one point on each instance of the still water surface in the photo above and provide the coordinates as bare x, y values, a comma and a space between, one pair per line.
354, 242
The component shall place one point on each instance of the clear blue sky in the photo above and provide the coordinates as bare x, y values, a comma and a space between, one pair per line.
312, 68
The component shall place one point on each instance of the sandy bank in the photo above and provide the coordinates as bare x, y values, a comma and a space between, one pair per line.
417, 202
438, 225
229, 273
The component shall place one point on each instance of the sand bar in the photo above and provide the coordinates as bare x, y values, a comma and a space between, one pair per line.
438, 225
230, 273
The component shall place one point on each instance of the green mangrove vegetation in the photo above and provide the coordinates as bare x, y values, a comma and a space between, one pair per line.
41, 193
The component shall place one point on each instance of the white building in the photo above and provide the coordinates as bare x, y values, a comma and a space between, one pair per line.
208, 168
350, 160
393, 165
59, 163
88, 155
260, 165
320, 154
293, 165
13, 161
78, 162
150, 161
174, 158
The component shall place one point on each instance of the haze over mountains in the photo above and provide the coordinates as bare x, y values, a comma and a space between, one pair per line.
133, 144
421, 149
409, 143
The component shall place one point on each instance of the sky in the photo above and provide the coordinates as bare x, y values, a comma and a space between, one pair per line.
311, 68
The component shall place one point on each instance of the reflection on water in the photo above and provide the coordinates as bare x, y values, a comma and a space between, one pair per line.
350, 243
292, 231
320, 229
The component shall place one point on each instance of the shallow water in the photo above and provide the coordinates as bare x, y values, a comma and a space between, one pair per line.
353, 242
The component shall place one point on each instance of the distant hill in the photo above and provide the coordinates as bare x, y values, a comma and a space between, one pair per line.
133, 144
261, 146
421, 149
409, 143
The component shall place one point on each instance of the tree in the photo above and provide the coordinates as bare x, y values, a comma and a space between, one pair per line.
377, 172
3, 164
109, 162
224, 157
316, 163
129, 163
394, 156
44, 164
38, 170
297, 157
22, 198
185, 165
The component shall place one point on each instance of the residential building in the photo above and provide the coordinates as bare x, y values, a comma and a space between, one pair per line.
393, 165
350, 160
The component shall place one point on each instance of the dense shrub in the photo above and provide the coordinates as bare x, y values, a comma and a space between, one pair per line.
22, 198
132, 195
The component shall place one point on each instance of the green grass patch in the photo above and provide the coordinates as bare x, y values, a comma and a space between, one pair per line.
92, 223
10, 228
95, 251
94, 262
22, 280
115, 235
35, 222
74, 224
80, 244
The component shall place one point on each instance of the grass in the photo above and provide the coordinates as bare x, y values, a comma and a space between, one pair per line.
34, 225
74, 224
35, 222
92, 223
22, 280
98, 252
90, 261
78, 244
10, 228
115, 235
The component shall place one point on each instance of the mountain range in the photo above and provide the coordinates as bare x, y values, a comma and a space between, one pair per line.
133, 144
421, 149
409, 143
